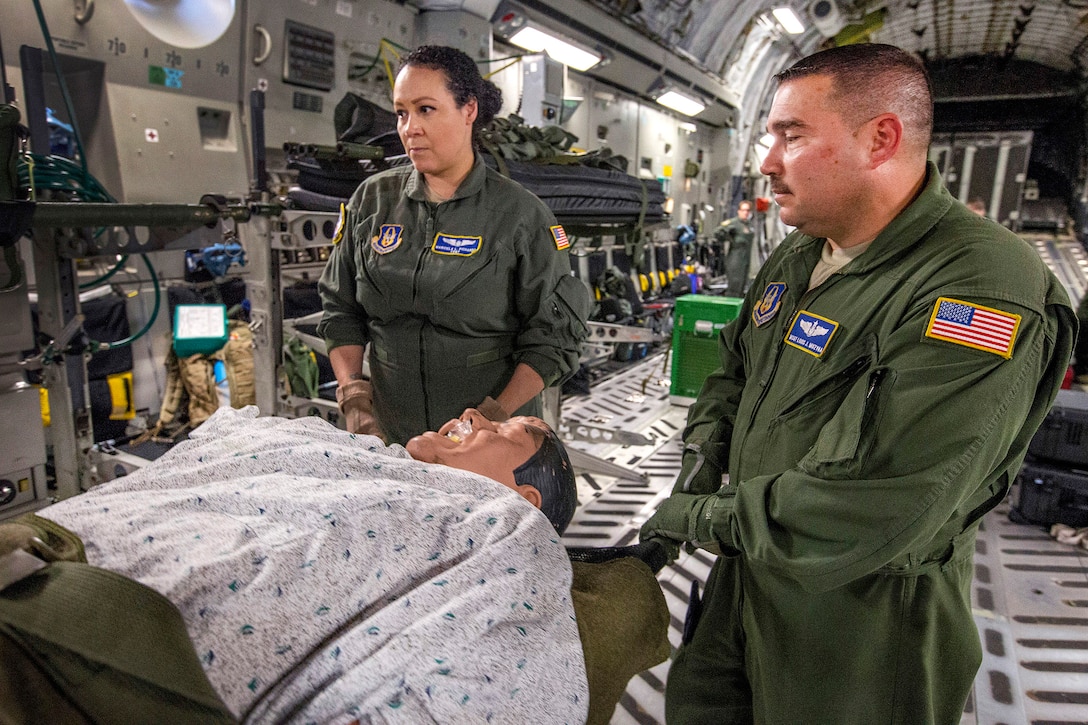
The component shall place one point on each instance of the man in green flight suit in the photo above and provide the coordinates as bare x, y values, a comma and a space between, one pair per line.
876, 397
739, 233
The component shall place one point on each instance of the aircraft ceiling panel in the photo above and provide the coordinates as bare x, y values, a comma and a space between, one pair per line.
1049, 32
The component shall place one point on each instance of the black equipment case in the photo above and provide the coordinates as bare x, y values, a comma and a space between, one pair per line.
1047, 494
1063, 436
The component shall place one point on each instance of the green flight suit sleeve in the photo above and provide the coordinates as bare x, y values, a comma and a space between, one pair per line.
724, 232
923, 444
343, 320
552, 304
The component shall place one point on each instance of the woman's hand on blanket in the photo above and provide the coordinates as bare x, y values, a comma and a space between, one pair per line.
356, 403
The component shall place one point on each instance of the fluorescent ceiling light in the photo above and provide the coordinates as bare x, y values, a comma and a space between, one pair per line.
681, 103
559, 49
687, 126
789, 20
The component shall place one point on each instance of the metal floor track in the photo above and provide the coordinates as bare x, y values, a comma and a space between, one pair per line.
1030, 593
1065, 257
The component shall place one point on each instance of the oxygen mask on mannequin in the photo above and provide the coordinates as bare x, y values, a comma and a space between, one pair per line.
460, 431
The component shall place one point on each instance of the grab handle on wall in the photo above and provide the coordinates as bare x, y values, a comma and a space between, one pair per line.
264, 46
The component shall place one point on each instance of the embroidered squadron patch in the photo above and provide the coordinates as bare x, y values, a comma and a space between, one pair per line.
387, 239
767, 307
982, 328
338, 235
560, 236
811, 333
456, 246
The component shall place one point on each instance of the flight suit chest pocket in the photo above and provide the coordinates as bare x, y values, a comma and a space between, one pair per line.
457, 264
845, 440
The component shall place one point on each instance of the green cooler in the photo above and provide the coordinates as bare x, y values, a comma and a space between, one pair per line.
697, 320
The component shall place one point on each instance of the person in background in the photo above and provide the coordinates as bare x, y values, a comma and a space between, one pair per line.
738, 233
457, 277
876, 397
978, 206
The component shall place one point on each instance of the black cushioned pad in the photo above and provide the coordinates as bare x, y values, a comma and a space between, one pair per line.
573, 192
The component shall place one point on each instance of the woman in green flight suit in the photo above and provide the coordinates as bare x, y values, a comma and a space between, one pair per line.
457, 277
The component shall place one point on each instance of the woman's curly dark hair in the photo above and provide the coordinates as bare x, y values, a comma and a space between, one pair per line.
463, 80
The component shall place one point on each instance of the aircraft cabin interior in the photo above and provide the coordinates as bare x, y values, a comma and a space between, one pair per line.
175, 180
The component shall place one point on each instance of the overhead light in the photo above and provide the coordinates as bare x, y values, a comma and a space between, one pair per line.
687, 126
561, 50
789, 20
680, 103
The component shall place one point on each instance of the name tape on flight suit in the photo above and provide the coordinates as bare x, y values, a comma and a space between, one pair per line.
975, 326
811, 333
387, 239
560, 236
457, 246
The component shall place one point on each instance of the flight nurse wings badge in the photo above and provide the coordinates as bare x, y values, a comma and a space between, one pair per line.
811, 333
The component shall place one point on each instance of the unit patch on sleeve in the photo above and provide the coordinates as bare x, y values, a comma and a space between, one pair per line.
456, 246
387, 239
982, 328
811, 333
560, 236
338, 235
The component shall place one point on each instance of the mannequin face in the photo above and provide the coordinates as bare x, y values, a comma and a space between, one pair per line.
491, 449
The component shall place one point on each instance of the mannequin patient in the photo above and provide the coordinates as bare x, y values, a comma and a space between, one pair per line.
324, 576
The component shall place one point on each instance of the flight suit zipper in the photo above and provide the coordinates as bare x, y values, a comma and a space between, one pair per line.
432, 214
874, 382
428, 237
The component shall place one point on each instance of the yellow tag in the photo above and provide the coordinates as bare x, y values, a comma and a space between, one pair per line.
124, 404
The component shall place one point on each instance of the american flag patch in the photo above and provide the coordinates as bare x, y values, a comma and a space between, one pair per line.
561, 241
982, 328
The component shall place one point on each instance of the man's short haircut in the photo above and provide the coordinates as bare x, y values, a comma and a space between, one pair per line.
549, 472
870, 79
